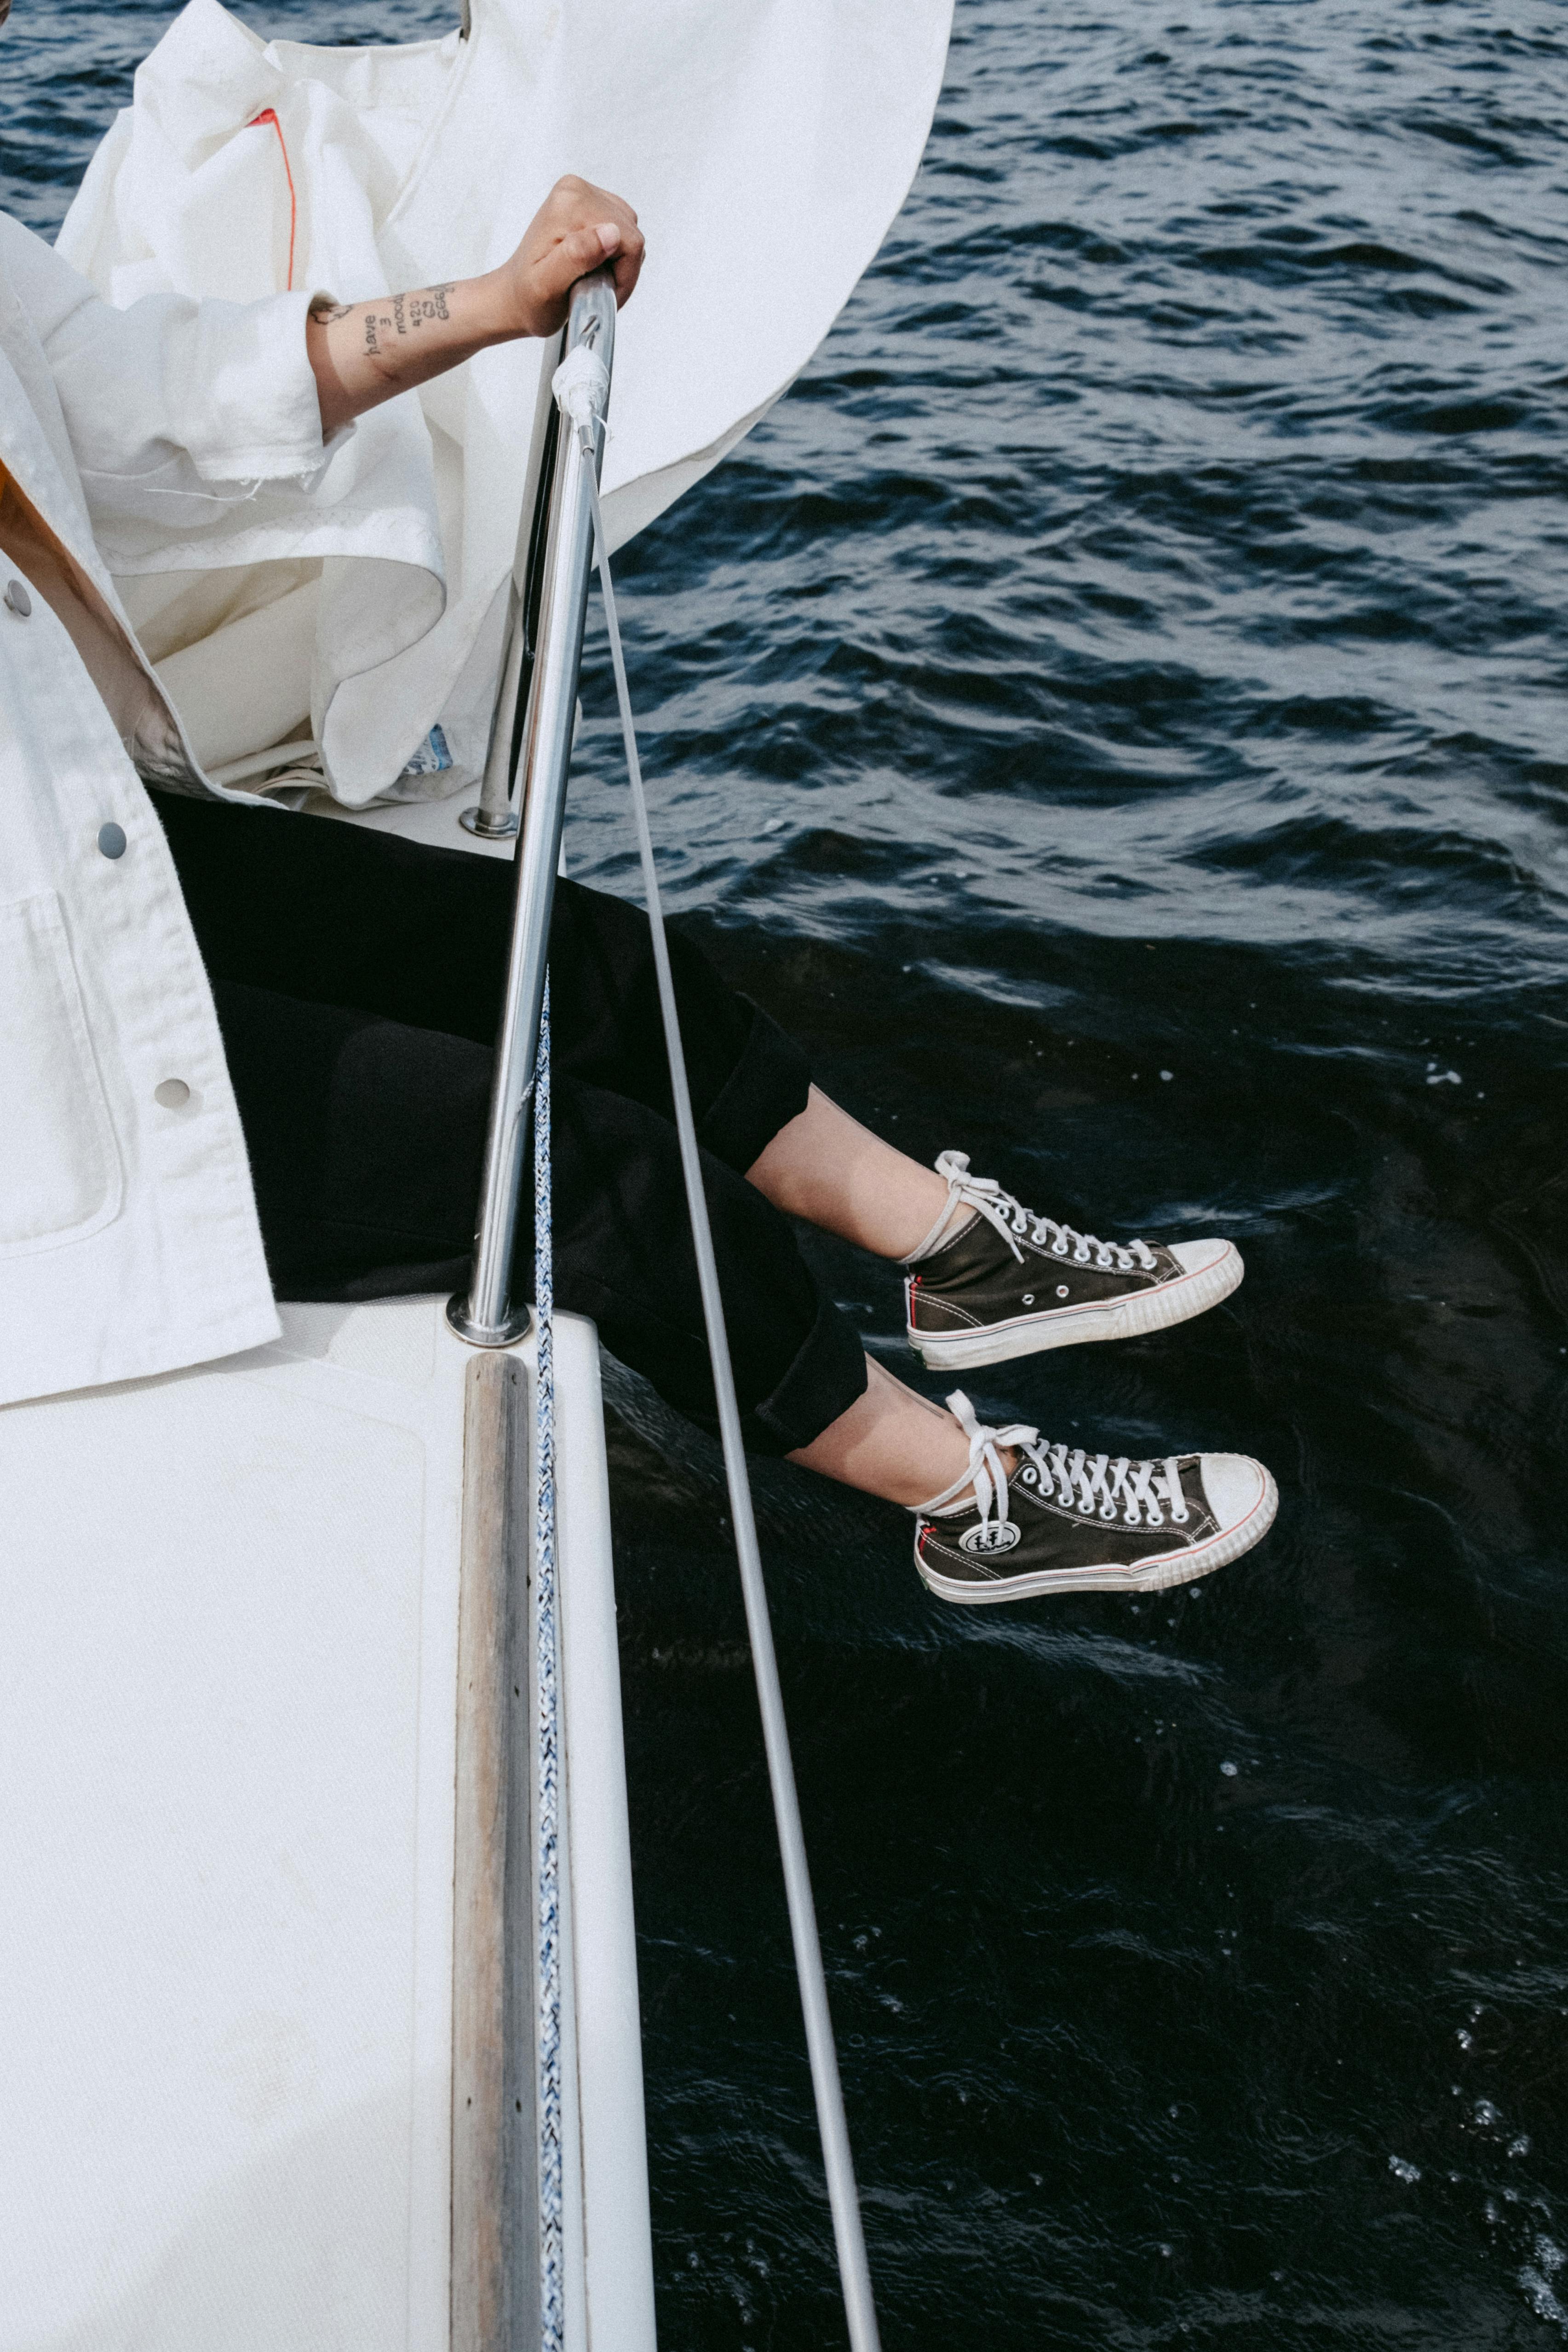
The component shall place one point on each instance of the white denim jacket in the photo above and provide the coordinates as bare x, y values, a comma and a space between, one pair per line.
129, 1240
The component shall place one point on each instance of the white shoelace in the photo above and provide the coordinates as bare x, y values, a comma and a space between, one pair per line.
1015, 1222
1139, 1494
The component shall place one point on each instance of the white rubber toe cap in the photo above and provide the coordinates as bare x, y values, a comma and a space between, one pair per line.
1197, 1257
1241, 1495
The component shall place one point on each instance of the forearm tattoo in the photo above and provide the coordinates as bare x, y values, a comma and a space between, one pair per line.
431, 303
408, 314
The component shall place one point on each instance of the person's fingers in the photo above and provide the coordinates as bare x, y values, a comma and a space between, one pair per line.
628, 262
556, 269
572, 201
579, 228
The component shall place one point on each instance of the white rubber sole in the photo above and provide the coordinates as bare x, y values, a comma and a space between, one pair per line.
1155, 1575
1077, 1327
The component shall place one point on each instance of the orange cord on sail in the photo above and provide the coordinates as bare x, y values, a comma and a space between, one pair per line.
269, 114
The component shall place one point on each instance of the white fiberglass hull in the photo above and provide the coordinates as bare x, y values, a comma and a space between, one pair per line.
229, 1724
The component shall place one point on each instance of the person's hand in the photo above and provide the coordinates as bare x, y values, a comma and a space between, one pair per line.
579, 227
364, 353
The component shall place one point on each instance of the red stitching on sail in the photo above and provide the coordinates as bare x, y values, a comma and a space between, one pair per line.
269, 114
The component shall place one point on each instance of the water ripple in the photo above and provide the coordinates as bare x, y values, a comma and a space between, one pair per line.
1137, 645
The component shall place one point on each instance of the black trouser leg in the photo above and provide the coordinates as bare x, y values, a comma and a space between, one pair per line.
332, 914
366, 1122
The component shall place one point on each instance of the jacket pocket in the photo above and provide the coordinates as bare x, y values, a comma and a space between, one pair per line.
59, 1170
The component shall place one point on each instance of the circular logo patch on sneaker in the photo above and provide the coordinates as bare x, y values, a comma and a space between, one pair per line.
990, 1535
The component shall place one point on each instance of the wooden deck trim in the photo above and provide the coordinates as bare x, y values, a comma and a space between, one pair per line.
494, 2251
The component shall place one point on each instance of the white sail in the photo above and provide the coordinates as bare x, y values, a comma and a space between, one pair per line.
767, 148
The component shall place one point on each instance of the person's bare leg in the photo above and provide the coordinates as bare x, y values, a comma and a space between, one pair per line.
826, 1167
892, 1442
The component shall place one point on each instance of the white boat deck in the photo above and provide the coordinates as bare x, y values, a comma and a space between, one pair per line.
228, 1732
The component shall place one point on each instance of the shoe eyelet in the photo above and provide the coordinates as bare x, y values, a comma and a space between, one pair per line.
1029, 1298
1062, 1290
1025, 1477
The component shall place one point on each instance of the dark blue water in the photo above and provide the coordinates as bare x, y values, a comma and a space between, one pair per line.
1114, 711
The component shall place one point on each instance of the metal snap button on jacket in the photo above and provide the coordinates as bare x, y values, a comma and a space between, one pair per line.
111, 840
17, 600
172, 1093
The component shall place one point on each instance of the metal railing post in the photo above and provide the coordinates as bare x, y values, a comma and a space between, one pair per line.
485, 1316
495, 818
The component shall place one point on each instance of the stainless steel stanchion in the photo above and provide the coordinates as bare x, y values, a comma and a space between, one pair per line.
487, 1317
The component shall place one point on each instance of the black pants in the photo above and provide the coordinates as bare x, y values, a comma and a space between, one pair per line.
359, 980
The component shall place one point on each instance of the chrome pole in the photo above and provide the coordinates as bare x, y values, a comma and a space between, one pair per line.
486, 1317
493, 818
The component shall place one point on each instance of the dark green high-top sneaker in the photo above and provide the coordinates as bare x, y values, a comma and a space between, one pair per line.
1064, 1520
1002, 1281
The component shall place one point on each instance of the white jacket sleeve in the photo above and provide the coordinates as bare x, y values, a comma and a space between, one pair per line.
172, 396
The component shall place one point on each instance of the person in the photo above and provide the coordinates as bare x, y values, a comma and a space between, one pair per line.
247, 1052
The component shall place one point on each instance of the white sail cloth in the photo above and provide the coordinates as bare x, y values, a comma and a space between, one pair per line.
767, 145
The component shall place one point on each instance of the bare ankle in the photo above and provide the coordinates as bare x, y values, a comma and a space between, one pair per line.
825, 1167
891, 1442
967, 1495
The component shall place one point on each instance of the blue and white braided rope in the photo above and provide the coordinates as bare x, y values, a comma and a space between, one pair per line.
553, 2317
